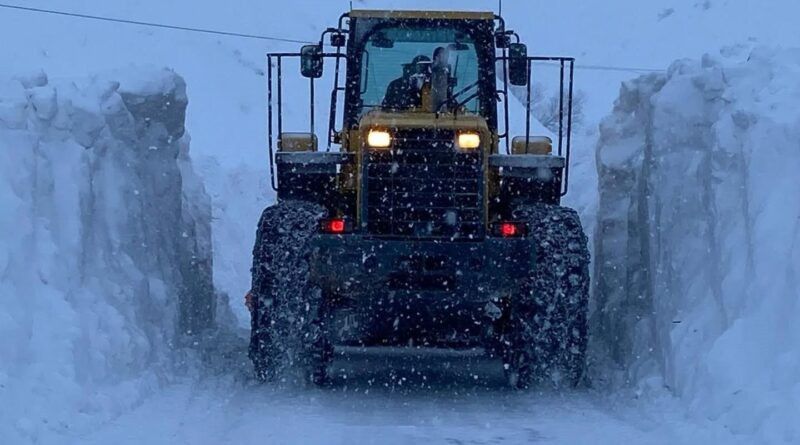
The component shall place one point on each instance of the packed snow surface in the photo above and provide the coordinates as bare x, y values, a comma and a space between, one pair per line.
106, 236
396, 397
698, 238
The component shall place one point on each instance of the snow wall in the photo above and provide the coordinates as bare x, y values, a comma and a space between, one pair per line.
105, 258
697, 246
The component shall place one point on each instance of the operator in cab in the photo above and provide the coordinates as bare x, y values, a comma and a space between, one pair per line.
405, 91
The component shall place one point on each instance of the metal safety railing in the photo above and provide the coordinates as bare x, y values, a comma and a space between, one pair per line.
275, 88
566, 78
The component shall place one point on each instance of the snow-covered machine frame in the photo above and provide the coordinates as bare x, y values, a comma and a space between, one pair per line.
418, 230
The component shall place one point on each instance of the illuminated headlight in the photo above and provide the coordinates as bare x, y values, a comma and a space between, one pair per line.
468, 141
379, 139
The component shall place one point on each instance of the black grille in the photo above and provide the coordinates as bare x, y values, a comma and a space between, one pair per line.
424, 188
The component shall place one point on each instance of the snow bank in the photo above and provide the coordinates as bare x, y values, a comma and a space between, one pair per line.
238, 196
698, 239
105, 258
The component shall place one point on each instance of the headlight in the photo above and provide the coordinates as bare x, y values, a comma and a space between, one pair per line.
468, 140
379, 139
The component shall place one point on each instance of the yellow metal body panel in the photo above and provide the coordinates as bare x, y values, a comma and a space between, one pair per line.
355, 141
456, 15
535, 145
389, 120
297, 142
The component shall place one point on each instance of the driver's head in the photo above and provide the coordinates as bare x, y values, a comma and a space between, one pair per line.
440, 56
418, 65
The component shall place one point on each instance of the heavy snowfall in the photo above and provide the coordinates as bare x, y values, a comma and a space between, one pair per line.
133, 170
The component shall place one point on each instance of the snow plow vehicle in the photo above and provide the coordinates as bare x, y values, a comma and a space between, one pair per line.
422, 223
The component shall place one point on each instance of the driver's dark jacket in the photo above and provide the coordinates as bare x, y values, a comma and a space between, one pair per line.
402, 93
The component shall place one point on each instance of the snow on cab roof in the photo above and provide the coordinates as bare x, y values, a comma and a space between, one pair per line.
469, 15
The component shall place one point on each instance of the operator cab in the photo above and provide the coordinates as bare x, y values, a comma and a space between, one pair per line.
402, 64
443, 62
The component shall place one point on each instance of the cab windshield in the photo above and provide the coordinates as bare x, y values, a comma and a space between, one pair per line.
401, 64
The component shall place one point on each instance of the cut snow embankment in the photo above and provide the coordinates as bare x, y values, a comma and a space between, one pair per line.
698, 239
105, 254
238, 196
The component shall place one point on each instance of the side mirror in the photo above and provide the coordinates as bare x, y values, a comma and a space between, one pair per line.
311, 61
518, 64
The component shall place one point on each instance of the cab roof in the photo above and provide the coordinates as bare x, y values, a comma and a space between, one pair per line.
388, 14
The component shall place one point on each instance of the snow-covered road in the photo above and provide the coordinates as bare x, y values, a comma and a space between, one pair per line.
430, 398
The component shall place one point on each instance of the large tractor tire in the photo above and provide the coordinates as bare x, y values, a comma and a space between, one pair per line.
544, 333
287, 332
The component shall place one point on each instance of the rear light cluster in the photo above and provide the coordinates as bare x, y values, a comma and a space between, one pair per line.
505, 229
335, 226
509, 229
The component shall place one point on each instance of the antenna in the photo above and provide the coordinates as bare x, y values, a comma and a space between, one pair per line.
351, 5
499, 7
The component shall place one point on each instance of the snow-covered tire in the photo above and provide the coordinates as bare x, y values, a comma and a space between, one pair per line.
546, 333
286, 329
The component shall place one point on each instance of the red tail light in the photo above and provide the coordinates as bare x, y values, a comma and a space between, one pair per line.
509, 229
334, 226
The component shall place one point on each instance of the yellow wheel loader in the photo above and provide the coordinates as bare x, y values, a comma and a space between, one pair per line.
422, 217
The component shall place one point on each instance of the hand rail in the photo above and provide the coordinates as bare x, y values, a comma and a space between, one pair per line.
277, 82
565, 98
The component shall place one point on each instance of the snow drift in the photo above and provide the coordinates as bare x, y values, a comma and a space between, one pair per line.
698, 238
106, 259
